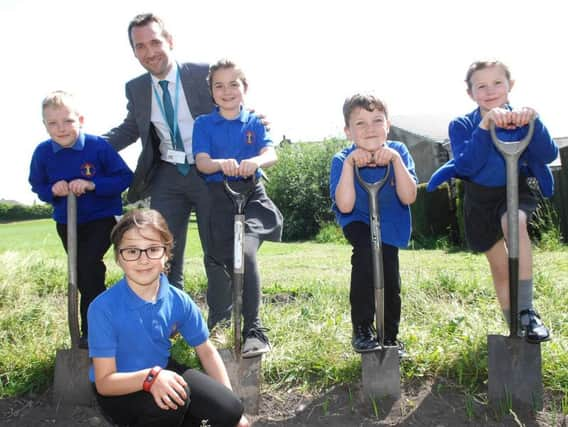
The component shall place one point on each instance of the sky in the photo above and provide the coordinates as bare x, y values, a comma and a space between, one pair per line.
302, 58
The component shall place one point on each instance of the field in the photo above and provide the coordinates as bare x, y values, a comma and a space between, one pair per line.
312, 376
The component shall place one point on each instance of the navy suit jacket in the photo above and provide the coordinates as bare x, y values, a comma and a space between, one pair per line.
137, 122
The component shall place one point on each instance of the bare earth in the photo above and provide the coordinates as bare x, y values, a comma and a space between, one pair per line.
435, 404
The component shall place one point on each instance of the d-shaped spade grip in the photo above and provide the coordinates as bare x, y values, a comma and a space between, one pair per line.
240, 200
512, 152
511, 148
372, 190
375, 186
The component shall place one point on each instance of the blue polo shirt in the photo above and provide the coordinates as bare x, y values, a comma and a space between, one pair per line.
240, 138
396, 223
137, 332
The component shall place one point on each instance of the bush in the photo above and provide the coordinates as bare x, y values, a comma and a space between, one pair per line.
434, 218
330, 232
18, 212
299, 185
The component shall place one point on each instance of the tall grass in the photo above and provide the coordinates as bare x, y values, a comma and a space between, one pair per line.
449, 307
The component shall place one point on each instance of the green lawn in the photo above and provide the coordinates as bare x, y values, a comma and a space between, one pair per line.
448, 309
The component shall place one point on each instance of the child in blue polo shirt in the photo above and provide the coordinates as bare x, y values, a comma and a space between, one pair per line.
482, 168
232, 142
367, 125
136, 380
75, 162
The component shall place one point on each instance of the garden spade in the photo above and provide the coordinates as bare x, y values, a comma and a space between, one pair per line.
244, 373
515, 372
71, 383
381, 368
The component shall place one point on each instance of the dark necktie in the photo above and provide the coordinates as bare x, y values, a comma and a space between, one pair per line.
177, 143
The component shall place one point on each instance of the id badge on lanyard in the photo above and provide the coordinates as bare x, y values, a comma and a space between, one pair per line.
175, 156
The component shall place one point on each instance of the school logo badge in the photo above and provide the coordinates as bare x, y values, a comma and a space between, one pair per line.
249, 137
88, 170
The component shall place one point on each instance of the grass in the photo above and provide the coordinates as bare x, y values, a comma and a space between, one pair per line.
449, 307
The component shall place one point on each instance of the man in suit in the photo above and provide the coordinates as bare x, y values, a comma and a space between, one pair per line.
162, 105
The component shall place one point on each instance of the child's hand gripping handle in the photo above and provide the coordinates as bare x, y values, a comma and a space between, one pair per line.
512, 152
372, 190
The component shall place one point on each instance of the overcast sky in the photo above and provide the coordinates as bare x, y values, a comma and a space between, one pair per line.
301, 57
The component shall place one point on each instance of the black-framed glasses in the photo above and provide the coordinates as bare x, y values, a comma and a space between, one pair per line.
133, 254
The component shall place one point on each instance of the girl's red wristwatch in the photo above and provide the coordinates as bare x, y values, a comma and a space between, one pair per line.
151, 378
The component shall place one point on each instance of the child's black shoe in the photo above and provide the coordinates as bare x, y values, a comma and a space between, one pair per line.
534, 329
402, 354
364, 339
256, 343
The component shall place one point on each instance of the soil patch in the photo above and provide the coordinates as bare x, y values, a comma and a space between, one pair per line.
430, 403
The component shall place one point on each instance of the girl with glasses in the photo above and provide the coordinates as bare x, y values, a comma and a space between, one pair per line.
136, 380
